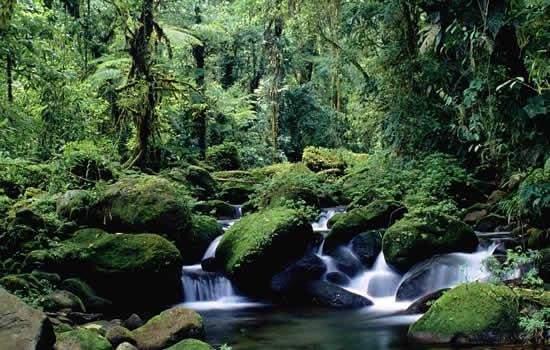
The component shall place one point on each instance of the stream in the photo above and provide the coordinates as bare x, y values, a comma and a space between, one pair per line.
245, 324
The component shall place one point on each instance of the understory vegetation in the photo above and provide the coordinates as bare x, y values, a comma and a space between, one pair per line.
127, 127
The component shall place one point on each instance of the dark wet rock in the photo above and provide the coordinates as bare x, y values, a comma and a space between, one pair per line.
328, 294
86, 293
22, 327
133, 322
377, 215
337, 278
211, 265
346, 261
490, 223
422, 305
297, 275
62, 300
367, 246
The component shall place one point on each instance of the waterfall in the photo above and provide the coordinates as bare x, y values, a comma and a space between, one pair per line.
199, 285
322, 221
211, 251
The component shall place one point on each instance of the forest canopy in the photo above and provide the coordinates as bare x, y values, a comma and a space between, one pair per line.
158, 82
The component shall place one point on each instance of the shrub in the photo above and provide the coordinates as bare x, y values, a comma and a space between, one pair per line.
87, 162
16, 175
223, 157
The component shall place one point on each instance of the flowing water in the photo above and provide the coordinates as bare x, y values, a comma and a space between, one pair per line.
246, 324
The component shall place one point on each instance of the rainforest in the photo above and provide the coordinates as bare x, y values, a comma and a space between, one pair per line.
274, 174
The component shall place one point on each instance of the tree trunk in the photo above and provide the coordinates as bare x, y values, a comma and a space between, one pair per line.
201, 122
9, 75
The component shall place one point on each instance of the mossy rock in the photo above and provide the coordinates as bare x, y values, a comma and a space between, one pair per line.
25, 286
198, 180
81, 339
223, 157
142, 204
474, 313
86, 293
75, 205
319, 159
168, 328
191, 344
205, 230
125, 268
416, 238
377, 215
295, 184
262, 244
216, 208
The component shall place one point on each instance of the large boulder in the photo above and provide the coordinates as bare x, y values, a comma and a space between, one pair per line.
146, 204
377, 215
198, 180
367, 246
87, 294
262, 244
22, 327
416, 238
330, 295
76, 205
82, 339
191, 344
62, 300
168, 328
293, 279
124, 268
474, 313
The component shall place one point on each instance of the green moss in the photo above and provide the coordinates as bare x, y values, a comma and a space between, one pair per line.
81, 339
16, 175
205, 230
124, 267
377, 215
147, 204
534, 197
479, 312
223, 157
191, 344
217, 208
416, 238
198, 180
318, 159
294, 184
261, 244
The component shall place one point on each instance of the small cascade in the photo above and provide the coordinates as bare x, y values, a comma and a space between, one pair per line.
212, 290
211, 251
321, 225
199, 285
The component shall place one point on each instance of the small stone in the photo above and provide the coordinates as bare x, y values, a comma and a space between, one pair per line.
118, 335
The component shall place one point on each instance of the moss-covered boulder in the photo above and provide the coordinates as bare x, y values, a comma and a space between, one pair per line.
117, 335
191, 344
205, 230
319, 159
62, 300
294, 184
81, 339
262, 244
237, 186
124, 268
216, 208
76, 205
198, 180
474, 313
419, 237
147, 204
377, 215
168, 328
